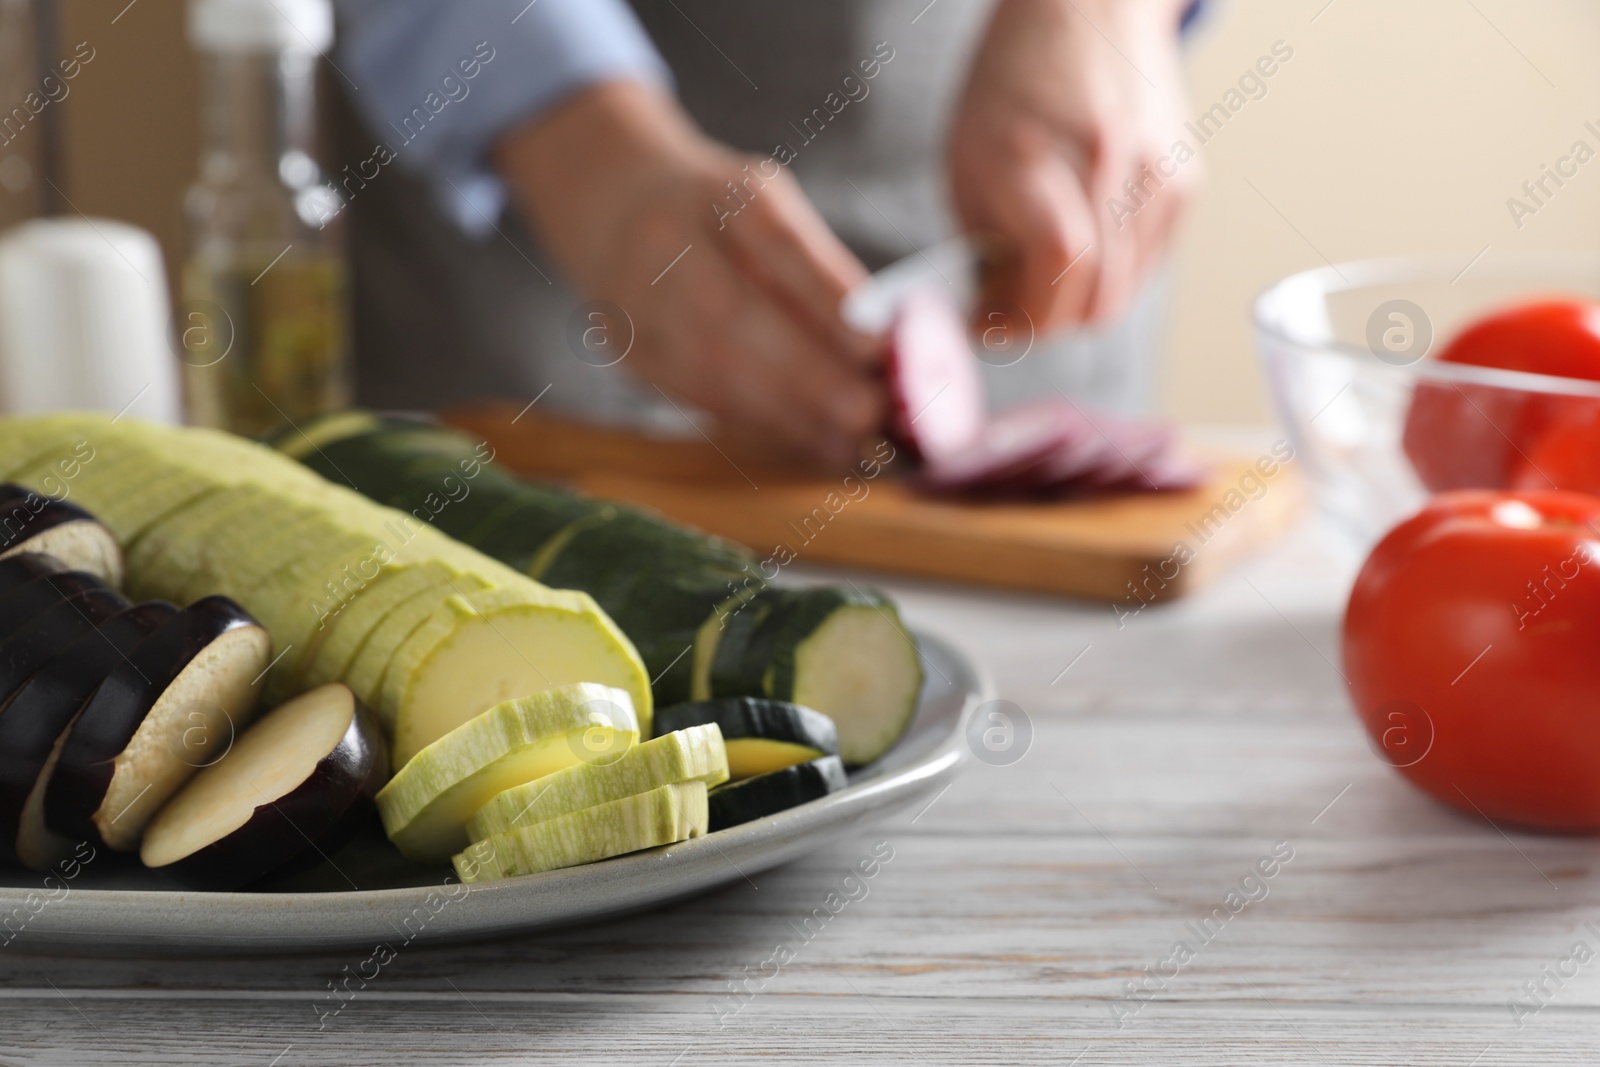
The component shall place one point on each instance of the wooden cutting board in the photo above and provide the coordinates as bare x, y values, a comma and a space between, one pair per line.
1129, 548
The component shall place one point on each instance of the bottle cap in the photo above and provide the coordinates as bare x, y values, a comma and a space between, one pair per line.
304, 26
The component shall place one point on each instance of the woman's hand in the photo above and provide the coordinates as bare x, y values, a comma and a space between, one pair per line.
733, 290
1066, 102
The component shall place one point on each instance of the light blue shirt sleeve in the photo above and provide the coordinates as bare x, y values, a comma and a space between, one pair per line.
439, 80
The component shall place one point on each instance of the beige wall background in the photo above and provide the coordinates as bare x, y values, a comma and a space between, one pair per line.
1400, 126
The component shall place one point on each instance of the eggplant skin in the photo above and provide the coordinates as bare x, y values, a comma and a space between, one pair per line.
25, 514
306, 824
113, 715
45, 705
52, 632
23, 604
21, 567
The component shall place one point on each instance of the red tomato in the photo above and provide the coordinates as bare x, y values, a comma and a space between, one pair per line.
1470, 645
1477, 436
1567, 454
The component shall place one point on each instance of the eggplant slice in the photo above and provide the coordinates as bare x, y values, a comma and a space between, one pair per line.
53, 631
15, 570
289, 784
23, 604
30, 522
756, 798
34, 722
171, 708
761, 735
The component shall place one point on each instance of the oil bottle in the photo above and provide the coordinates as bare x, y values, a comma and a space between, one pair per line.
262, 325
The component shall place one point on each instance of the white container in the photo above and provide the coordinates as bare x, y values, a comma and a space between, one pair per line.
85, 320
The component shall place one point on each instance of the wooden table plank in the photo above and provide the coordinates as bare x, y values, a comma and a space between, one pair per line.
843, 1028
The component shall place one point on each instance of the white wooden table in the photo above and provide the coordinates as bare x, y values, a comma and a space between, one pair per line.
1170, 758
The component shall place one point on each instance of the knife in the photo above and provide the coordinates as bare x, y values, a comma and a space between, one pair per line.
954, 268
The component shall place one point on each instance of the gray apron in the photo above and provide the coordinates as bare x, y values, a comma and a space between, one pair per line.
441, 318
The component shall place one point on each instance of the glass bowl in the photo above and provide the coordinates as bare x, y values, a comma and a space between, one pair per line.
1376, 421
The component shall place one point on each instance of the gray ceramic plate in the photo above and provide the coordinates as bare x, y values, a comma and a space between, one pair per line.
109, 907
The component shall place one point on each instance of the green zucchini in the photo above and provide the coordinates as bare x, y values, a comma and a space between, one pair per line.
692, 755
825, 647
442, 479
704, 620
658, 581
760, 736
756, 798
663, 816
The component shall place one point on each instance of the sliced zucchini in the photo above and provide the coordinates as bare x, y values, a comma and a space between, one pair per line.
25, 442
256, 542
285, 785
692, 605
694, 754
353, 616
659, 582
132, 514
371, 662
478, 650
33, 523
525, 517
162, 559
36, 718
760, 735
841, 651
664, 815
426, 805
60, 470
756, 798
708, 641
179, 697
285, 583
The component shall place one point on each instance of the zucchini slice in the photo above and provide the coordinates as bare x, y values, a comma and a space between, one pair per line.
36, 718
426, 805
756, 798
286, 785
131, 514
371, 661
841, 651
479, 650
657, 580
687, 602
760, 735
350, 621
664, 815
176, 700
695, 754
33, 523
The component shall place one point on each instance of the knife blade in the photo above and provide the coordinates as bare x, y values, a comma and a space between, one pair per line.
953, 268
